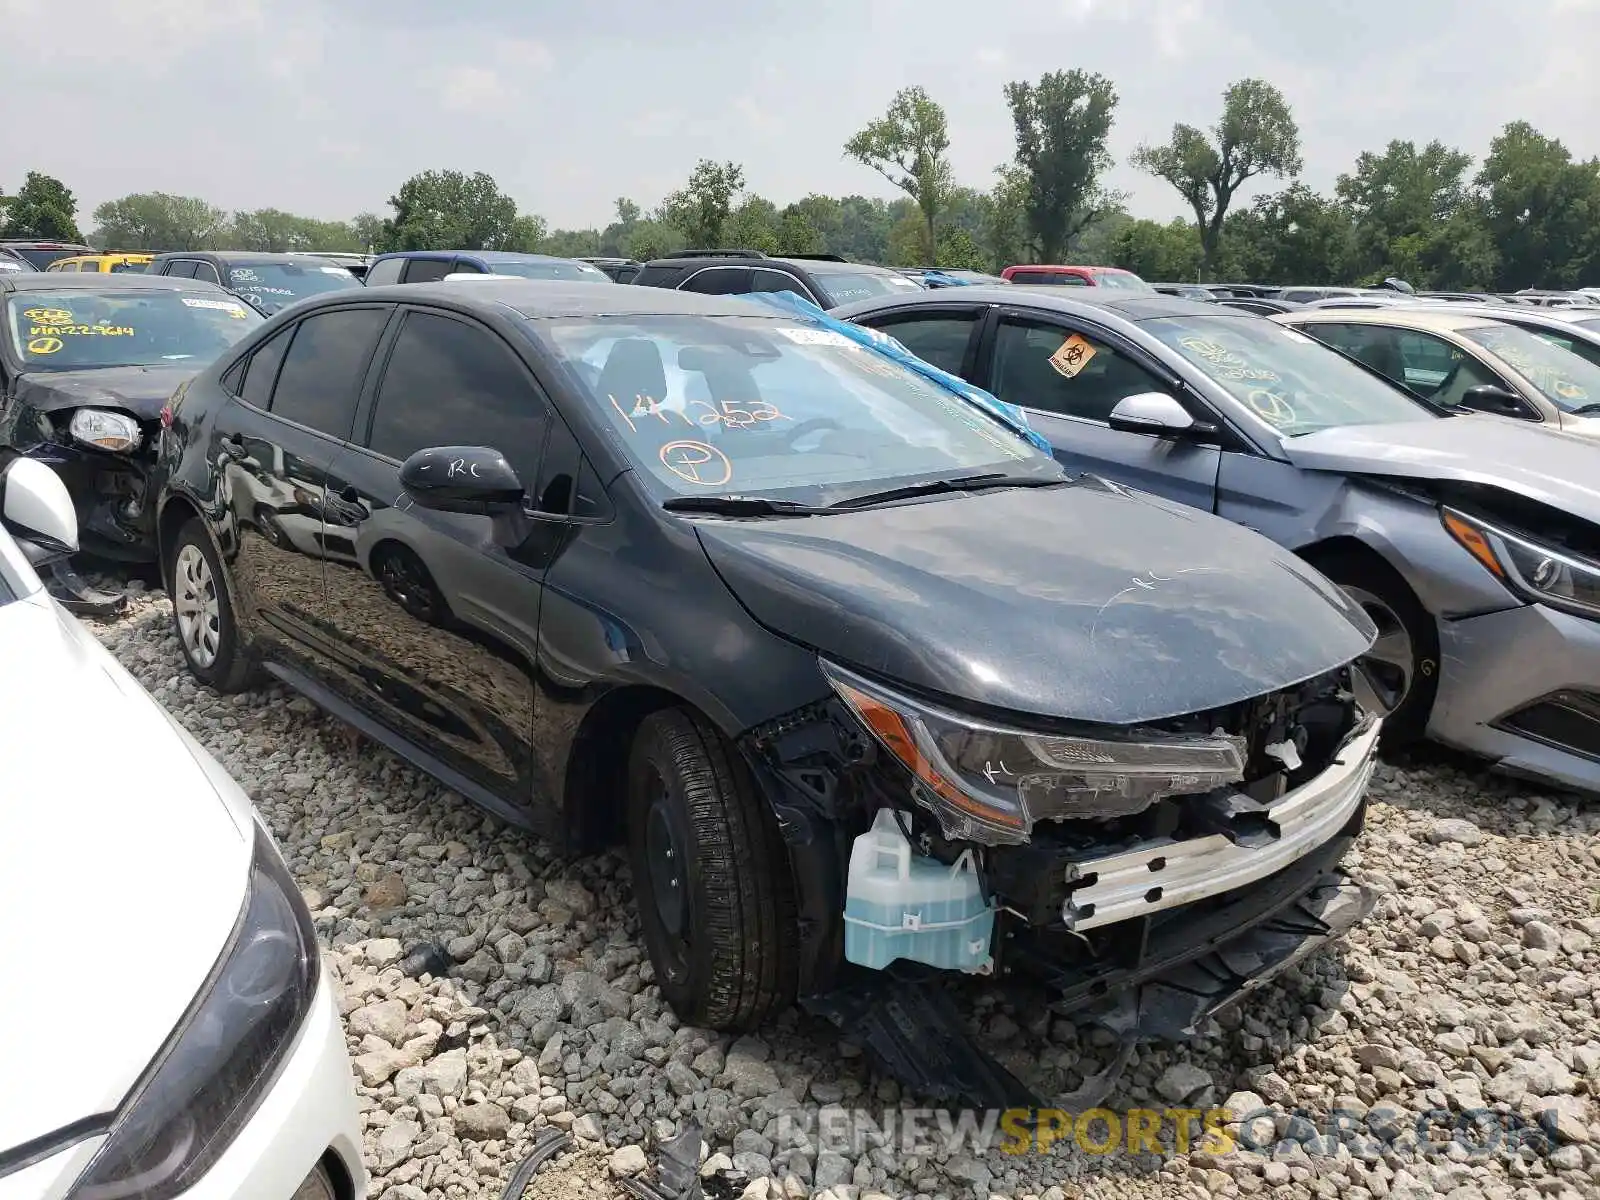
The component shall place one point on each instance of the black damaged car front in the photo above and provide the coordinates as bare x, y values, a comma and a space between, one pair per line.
87, 374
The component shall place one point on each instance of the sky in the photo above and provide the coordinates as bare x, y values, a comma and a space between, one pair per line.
324, 107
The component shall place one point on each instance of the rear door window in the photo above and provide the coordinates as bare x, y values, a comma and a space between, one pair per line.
387, 271
428, 270
321, 376
719, 281
262, 372
183, 268
939, 338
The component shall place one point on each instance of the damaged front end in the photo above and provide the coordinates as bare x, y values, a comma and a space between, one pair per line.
105, 454
1147, 877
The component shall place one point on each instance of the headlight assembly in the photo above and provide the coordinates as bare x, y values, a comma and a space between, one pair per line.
106, 430
219, 1062
990, 784
1540, 573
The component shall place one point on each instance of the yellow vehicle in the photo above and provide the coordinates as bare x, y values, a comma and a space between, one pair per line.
103, 263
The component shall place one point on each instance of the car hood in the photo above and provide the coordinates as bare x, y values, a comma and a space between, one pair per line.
124, 862
140, 391
1084, 601
1535, 461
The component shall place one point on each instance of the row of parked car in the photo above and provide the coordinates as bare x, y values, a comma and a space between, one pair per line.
1034, 632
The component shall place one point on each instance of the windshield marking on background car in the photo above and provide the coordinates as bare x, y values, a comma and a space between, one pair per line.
83, 329
1562, 377
1284, 378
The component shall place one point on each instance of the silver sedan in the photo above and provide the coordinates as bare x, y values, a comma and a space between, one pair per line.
1472, 540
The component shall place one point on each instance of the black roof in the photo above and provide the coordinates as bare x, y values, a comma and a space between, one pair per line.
97, 281
247, 256
535, 298
1069, 300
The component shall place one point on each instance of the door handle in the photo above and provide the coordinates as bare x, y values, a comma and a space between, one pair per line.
231, 448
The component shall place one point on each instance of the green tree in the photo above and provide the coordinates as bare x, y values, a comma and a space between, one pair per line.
42, 208
796, 233
957, 248
1061, 125
1006, 237
1403, 203
276, 231
158, 221
651, 239
1255, 136
1541, 208
909, 146
1293, 236
1169, 252
368, 228
701, 209
571, 243
754, 225
451, 210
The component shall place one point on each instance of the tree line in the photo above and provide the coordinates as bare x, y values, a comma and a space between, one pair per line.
1528, 216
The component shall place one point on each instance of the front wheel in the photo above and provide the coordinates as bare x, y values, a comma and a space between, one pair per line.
1399, 677
710, 876
202, 616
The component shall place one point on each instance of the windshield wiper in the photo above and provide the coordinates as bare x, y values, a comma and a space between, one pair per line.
740, 506
960, 483
1588, 410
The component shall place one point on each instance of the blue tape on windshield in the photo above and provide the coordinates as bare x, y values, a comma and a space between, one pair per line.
1008, 415
938, 279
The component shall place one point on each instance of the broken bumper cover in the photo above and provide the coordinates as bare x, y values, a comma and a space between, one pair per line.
1166, 874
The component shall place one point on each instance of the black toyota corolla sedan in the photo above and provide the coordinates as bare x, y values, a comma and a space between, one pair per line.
864, 680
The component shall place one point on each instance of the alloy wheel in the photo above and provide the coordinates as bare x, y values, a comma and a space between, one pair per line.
194, 603
1386, 671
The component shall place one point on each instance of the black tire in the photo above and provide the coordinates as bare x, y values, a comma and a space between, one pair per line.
1393, 606
730, 963
231, 670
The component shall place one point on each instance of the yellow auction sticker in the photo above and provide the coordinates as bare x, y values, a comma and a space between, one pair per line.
44, 345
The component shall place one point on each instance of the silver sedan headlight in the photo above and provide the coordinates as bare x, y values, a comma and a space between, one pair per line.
989, 784
106, 430
1543, 574
208, 1079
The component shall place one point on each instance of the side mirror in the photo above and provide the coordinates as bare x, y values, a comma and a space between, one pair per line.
1491, 398
37, 511
461, 479
1159, 414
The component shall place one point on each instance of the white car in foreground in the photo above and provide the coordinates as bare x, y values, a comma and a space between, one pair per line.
166, 1027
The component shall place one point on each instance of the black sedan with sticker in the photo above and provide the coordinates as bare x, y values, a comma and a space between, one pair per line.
86, 363
822, 640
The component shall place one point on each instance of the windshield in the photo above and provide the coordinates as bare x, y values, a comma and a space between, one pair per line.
1564, 379
71, 330
1122, 280
277, 285
555, 269
845, 286
717, 405
1283, 377
137, 266
1588, 322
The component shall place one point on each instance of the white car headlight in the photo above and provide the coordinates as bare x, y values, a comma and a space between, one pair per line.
990, 784
1544, 574
106, 430
208, 1079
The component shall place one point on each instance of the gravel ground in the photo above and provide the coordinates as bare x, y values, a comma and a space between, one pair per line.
1471, 990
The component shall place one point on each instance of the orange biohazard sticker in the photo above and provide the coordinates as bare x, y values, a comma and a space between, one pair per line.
1073, 356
